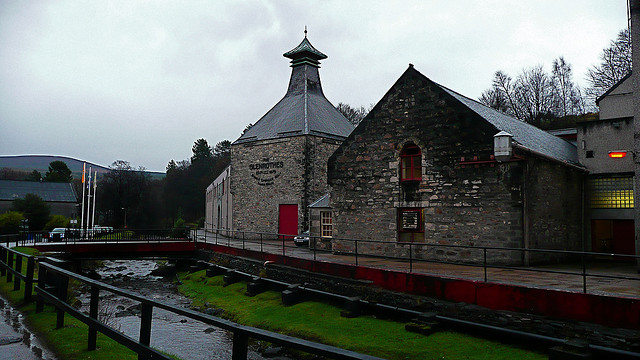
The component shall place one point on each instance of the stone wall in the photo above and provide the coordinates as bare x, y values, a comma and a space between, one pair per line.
465, 201
267, 173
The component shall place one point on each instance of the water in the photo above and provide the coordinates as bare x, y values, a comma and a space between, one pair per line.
17, 342
171, 333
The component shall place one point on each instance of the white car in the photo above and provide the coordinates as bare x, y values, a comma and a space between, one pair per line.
57, 234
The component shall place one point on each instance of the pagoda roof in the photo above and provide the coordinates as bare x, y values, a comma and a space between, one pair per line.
304, 110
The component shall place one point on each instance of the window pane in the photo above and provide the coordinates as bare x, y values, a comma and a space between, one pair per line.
612, 193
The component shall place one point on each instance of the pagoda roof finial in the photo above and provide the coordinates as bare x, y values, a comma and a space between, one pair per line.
305, 53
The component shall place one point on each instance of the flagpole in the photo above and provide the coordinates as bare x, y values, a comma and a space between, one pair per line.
95, 185
84, 165
89, 199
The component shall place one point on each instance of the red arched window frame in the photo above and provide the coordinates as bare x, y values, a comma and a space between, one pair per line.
411, 163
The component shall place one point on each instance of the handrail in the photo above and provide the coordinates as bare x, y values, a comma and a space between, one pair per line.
56, 295
485, 262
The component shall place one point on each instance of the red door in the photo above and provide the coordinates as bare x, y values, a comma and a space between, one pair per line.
288, 219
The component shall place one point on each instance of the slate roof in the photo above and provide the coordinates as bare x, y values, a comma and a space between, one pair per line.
304, 110
525, 134
48, 191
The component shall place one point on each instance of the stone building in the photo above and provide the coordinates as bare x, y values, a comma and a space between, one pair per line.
605, 149
420, 169
219, 202
279, 165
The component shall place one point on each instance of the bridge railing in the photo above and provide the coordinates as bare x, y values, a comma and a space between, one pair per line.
72, 236
413, 256
52, 288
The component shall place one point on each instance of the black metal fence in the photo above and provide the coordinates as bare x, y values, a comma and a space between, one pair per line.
72, 236
52, 288
415, 255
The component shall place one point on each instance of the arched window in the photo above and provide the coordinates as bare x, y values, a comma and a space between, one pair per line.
411, 163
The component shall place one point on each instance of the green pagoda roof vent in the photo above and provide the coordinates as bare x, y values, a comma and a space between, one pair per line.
305, 53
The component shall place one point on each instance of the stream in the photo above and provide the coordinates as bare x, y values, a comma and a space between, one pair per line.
171, 333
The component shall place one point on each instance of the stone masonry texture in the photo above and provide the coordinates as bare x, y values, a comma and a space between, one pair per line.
290, 170
483, 204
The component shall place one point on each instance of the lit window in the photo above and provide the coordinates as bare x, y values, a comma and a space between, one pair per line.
612, 193
326, 223
410, 224
411, 163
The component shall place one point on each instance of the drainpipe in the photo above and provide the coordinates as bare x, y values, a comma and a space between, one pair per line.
525, 213
634, 9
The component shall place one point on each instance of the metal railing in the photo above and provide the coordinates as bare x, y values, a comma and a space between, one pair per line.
413, 255
73, 236
52, 288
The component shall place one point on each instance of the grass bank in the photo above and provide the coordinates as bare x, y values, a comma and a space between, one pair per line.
322, 323
69, 342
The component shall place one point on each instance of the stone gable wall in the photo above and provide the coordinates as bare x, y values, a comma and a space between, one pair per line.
267, 173
474, 205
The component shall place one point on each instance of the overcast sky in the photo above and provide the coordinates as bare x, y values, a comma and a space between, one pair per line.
142, 80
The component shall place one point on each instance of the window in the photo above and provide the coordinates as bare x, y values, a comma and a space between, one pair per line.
411, 163
326, 222
612, 193
589, 153
410, 224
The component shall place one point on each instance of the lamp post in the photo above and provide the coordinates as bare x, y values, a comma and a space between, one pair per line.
125, 217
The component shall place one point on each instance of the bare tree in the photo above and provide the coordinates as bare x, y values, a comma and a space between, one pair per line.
354, 115
534, 94
567, 96
615, 63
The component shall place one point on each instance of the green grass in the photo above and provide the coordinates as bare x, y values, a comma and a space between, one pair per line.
69, 342
322, 322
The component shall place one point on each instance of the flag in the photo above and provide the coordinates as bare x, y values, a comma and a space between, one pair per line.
84, 165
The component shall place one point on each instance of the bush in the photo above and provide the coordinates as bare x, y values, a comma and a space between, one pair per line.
180, 229
56, 221
10, 222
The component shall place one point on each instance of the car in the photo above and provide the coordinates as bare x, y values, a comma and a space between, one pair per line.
302, 239
57, 234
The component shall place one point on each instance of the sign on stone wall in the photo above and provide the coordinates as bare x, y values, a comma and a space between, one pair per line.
265, 172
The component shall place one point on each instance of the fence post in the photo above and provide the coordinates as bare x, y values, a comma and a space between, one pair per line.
28, 283
16, 280
282, 245
145, 326
356, 241
10, 266
484, 263
315, 245
3, 258
410, 257
93, 313
261, 249
240, 346
584, 274
63, 284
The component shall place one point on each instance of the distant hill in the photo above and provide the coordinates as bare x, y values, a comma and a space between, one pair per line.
28, 163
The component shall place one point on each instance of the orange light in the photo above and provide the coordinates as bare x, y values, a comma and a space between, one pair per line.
617, 154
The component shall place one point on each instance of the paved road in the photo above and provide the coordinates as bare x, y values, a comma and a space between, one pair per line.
16, 341
537, 276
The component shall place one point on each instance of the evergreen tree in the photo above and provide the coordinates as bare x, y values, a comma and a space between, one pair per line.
58, 172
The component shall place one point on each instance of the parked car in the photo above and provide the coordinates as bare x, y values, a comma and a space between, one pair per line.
302, 239
57, 234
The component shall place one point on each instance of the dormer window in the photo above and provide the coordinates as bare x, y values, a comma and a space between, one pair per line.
411, 163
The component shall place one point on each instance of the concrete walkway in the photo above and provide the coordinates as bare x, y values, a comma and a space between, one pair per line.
601, 276
17, 342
